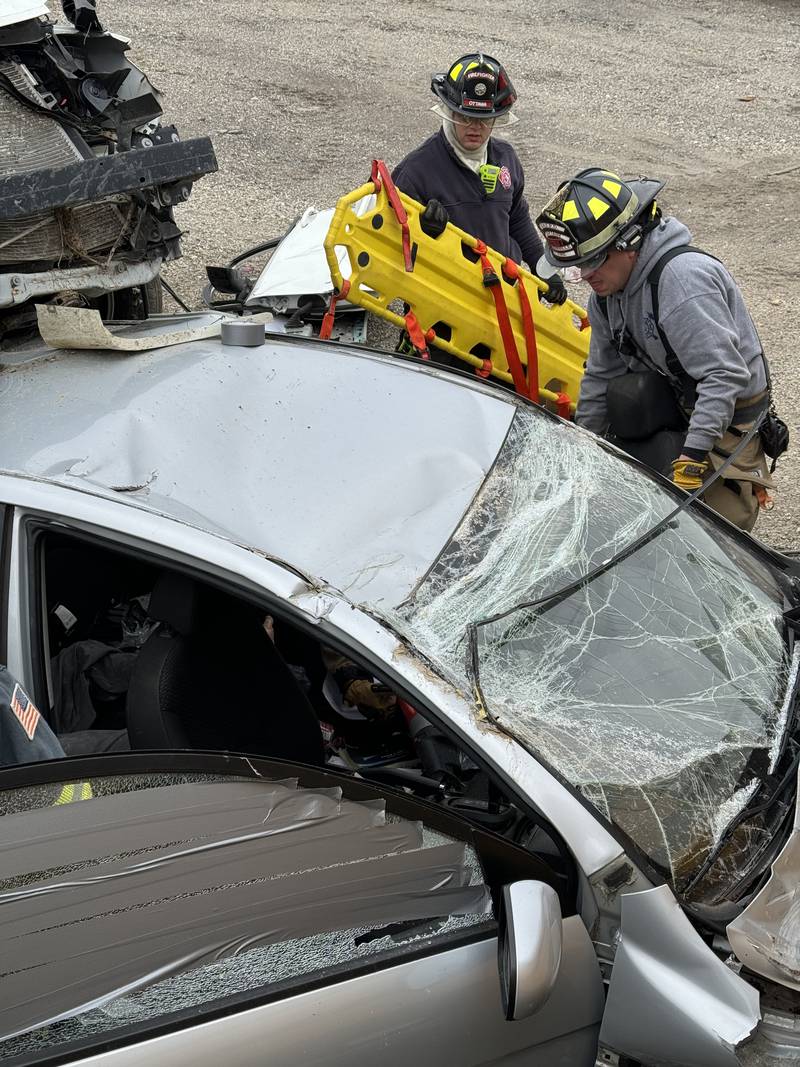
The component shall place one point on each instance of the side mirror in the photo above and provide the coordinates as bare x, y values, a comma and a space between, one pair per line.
529, 947
82, 15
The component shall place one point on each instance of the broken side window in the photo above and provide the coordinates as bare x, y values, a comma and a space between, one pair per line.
138, 898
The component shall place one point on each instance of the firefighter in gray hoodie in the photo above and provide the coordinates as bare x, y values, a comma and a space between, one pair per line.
676, 374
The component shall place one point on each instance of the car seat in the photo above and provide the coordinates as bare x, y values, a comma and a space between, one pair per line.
211, 678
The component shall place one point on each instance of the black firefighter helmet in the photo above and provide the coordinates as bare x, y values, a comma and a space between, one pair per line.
595, 212
475, 85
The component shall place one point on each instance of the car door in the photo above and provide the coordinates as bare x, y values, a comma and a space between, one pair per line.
202, 908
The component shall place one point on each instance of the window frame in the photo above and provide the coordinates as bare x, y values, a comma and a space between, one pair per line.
35, 523
6, 535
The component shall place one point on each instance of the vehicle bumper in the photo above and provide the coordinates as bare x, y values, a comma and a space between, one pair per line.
88, 180
91, 281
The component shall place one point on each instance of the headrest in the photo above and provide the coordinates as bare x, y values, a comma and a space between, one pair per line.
175, 600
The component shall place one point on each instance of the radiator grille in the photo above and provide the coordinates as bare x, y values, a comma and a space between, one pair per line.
34, 142
29, 141
61, 235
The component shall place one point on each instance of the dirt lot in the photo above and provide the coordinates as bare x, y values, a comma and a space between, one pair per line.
300, 96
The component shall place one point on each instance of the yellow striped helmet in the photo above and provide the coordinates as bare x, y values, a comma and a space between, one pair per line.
476, 84
595, 212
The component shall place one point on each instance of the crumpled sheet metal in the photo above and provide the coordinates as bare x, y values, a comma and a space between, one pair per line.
766, 936
671, 999
108, 896
649, 688
83, 328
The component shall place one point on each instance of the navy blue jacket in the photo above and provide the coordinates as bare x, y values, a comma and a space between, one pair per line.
501, 219
24, 735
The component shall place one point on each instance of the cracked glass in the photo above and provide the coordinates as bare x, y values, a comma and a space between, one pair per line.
152, 895
658, 689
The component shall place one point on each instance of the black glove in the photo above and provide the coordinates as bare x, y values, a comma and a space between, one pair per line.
556, 292
433, 219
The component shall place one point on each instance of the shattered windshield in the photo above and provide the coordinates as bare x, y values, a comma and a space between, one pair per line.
657, 689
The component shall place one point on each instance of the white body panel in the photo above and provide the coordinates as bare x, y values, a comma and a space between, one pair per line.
20, 10
298, 265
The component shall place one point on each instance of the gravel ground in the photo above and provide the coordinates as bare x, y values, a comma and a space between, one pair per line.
299, 97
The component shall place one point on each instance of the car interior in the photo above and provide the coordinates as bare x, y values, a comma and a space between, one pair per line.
136, 655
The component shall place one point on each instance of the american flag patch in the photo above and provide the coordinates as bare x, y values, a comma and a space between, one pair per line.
25, 710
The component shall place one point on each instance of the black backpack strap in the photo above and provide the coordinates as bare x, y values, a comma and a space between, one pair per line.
602, 303
674, 365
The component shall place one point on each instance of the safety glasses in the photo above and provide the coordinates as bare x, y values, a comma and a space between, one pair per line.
593, 263
509, 118
472, 120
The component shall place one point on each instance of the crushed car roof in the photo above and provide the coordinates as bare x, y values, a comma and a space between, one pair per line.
354, 468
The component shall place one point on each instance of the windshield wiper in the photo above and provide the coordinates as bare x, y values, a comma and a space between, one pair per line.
550, 600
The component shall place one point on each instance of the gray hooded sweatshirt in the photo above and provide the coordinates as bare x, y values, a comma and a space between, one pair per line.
704, 317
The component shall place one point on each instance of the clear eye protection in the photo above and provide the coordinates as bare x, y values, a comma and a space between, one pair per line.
492, 122
593, 263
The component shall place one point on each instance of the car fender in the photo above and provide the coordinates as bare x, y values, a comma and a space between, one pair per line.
671, 999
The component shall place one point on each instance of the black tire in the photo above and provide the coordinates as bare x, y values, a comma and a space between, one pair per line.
135, 303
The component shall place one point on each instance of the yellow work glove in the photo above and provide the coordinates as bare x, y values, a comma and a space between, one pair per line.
365, 693
688, 474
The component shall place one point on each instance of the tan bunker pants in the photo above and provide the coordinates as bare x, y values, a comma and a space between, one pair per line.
736, 494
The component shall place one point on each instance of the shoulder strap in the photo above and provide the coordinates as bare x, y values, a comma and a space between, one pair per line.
653, 278
674, 365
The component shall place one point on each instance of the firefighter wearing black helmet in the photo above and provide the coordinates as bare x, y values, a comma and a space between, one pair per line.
466, 176
676, 374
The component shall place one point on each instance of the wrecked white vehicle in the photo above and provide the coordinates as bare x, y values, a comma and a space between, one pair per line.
598, 686
89, 175
295, 284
